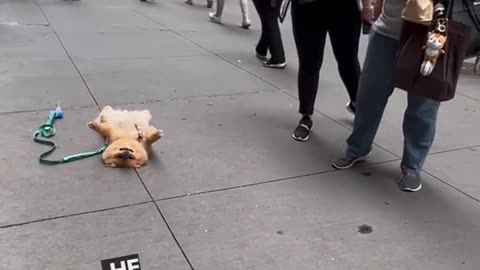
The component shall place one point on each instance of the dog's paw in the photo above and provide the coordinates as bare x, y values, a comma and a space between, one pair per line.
92, 125
110, 165
158, 134
137, 166
155, 136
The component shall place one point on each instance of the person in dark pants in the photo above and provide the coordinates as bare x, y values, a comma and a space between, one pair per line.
271, 38
312, 20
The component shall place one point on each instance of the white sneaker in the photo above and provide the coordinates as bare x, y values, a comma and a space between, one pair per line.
351, 107
245, 24
214, 18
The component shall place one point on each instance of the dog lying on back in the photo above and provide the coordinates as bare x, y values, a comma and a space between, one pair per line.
129, 136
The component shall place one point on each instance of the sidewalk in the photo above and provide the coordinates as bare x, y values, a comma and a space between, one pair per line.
227, 188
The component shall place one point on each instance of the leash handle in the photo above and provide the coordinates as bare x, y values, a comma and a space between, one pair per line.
83, 155
48, 130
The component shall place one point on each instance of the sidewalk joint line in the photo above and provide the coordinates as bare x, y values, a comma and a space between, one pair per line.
454, 150
468, 96
209, 51
67, 53
72, 215
451, 186
164, 220
283, 179
143, 102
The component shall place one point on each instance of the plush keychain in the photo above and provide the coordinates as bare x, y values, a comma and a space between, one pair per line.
435, 42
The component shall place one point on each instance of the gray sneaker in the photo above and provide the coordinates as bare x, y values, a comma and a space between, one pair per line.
346, 161
214, 18
410, 182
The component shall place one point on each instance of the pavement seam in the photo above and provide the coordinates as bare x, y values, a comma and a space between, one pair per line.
454, 150
99, 59
72, 215
283, 179
208, 50
143, 102
164, 220
67, 53
451, 186
468, 96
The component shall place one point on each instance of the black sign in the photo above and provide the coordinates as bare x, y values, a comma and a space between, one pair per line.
130, 262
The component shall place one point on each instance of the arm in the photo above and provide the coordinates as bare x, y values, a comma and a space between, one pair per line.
366, 3
378, 6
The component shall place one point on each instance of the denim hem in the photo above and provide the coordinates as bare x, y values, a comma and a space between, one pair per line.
410, 171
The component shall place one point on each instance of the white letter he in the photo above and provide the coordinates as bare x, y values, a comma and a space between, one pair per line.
122, 266
131, 266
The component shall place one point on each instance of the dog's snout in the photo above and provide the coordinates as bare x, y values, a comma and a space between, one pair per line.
125, 154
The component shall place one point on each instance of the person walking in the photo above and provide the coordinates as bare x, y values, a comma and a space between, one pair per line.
375, 87
271, 38
216, 16
311, 21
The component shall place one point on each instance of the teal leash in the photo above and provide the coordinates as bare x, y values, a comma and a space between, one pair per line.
48, 130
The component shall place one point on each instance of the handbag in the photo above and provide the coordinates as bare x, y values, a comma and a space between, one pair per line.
441, 84
418, 11
468, 12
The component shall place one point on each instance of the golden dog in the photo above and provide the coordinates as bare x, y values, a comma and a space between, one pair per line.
129, 136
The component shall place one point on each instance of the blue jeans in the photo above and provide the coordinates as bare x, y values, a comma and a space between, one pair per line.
375, 87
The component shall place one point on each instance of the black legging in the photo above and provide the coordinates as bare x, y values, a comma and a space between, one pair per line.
271, 39
311, 22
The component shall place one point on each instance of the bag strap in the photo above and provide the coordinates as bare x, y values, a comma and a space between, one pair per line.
469, 6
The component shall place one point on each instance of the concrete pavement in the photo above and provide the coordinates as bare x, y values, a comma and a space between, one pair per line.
227, 187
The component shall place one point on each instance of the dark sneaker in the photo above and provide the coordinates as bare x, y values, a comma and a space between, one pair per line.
347, 161
271, 64
261, 56
351, 107
410, 182
302, 131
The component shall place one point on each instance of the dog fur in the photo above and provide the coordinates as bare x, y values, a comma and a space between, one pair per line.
129, 136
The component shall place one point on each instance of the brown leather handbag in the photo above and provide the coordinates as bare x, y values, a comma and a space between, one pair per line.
441, 84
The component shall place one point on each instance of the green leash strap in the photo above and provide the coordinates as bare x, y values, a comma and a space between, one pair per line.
48, 130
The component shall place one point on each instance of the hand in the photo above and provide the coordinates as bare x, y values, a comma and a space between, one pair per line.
368, 14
